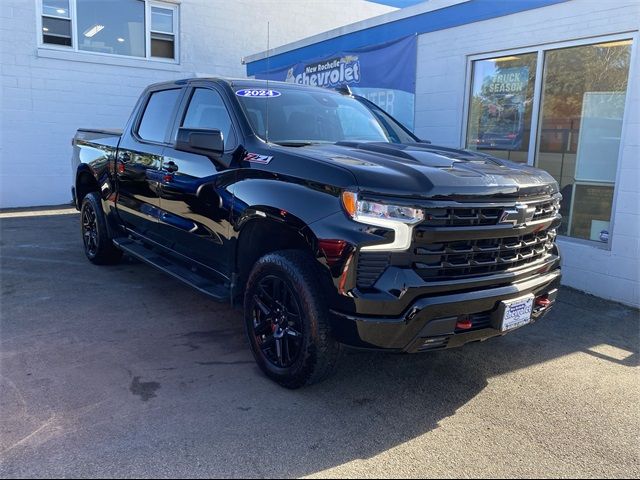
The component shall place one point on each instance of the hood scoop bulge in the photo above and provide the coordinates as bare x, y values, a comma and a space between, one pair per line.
427, 155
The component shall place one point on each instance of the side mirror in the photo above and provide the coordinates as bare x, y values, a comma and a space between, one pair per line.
203, 141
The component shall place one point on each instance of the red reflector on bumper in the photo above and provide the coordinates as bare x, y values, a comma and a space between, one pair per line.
464, 324
542, 302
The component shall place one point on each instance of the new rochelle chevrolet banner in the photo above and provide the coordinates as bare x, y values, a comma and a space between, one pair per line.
383, 73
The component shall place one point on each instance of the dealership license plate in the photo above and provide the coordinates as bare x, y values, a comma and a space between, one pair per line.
516, 313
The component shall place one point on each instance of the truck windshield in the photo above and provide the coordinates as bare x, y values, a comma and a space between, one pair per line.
299, 117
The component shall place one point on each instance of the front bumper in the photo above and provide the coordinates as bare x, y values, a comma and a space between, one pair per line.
430, 322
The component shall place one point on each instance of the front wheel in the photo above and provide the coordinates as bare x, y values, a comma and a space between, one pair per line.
287, 320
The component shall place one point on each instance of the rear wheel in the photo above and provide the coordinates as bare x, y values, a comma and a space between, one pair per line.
287, 321
98, 247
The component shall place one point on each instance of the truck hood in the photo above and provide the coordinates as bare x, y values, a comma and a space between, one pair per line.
429, 171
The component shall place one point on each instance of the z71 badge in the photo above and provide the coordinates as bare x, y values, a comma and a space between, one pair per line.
256, 158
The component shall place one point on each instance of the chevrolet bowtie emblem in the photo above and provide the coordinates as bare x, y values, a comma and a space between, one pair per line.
519, 215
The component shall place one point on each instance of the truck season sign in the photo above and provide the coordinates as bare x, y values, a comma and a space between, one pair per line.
383, 73
508, 81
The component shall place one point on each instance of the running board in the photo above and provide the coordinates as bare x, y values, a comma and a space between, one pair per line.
204, 284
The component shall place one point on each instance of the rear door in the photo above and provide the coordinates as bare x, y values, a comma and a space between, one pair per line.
195, 198
139, 162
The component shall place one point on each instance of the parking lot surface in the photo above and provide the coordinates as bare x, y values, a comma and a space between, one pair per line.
121, 371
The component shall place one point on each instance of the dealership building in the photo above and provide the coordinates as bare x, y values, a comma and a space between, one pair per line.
550, 83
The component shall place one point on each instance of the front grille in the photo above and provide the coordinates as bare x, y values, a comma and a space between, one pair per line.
477, 215
449, 260
449, 217
459, 241
546, 210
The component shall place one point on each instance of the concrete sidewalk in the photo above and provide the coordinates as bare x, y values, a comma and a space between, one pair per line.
121, 371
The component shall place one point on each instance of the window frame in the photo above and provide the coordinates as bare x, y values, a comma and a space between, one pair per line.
184, 107
537, 88
541, 50
143, 108
148, 4
58, 17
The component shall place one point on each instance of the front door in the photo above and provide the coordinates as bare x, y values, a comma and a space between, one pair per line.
194, 199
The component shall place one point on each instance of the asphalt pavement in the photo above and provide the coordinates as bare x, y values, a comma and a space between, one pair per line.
121, 371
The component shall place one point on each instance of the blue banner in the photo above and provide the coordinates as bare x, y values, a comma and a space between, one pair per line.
384, 74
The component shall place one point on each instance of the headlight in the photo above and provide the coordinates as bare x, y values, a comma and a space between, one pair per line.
398, 218
365, 210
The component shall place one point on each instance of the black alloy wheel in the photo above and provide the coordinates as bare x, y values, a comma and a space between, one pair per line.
287, 319
90, 230
98, 246
277, 322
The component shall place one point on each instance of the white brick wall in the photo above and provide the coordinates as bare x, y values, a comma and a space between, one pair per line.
440, 94
44, 100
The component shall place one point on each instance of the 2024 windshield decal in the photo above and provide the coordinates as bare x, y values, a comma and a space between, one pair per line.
258, 93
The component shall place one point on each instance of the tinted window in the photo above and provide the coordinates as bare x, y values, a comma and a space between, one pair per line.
207, 110
311, 116
394, 130
158, 115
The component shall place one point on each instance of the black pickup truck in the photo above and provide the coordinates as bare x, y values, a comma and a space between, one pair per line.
329, 220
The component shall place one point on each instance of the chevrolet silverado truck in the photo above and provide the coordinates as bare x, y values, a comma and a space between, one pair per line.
329, 221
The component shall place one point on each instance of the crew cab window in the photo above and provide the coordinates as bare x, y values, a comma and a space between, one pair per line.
158, 115
207, 110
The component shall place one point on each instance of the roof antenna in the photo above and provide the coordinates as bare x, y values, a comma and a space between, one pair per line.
266, 130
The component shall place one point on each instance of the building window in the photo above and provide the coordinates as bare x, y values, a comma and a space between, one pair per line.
581, 112
111, 26
501, 106
162, 35
579, 106
132, 28
56, 22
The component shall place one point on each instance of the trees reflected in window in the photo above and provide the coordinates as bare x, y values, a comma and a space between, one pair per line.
582, 108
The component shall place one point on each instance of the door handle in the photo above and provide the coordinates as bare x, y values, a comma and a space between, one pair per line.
170, 167
121, 160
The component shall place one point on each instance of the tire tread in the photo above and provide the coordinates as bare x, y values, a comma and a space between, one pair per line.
321, 355
108, 253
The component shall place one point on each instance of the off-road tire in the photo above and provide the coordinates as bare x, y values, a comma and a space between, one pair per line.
318, 352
